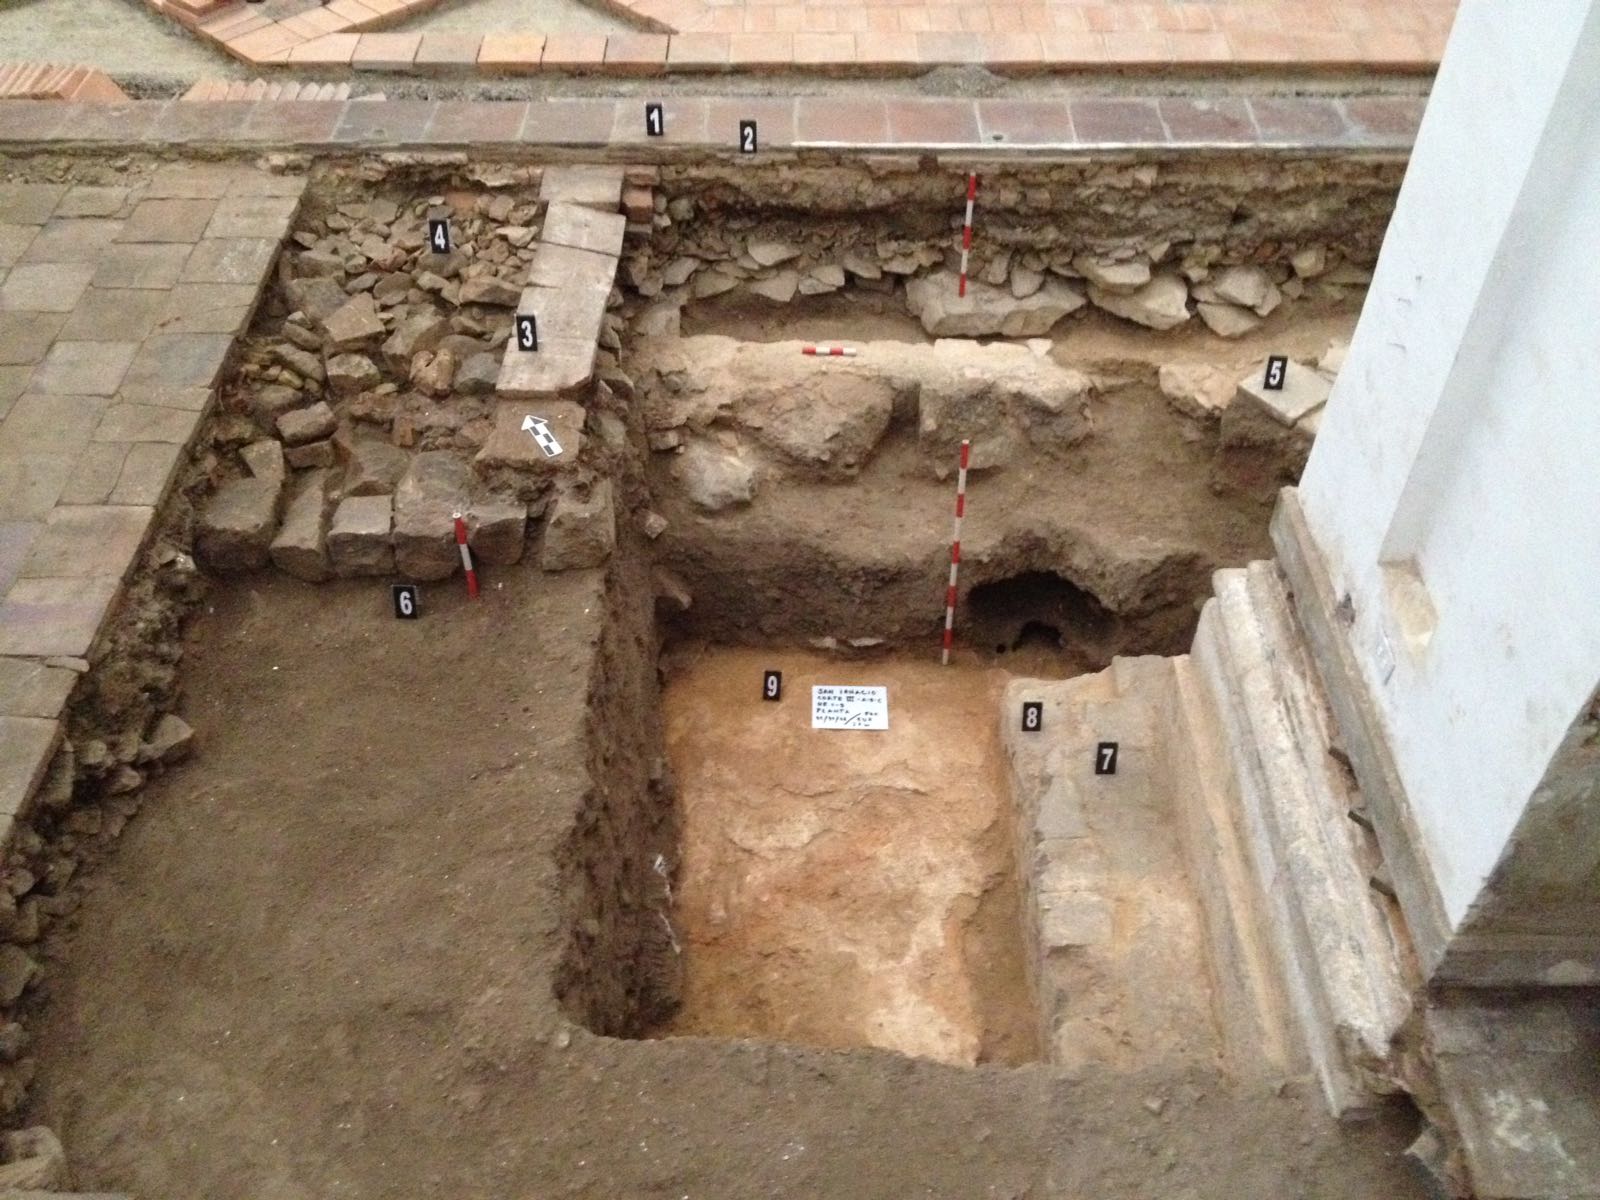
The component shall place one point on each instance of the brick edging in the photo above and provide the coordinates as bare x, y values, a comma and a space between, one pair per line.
700, 127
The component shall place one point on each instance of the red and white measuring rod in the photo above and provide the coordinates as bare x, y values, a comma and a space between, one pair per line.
955, 556
966, 231
466, 556
829, 351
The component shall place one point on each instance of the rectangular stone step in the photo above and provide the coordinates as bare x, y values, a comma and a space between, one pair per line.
1250, 1004
1343, 972
1519, 1077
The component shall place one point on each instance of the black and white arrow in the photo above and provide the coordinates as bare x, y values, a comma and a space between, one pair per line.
541, 434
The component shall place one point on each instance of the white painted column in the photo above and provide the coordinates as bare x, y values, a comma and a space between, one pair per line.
1454, 490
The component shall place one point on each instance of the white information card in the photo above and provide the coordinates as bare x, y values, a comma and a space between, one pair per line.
836, 707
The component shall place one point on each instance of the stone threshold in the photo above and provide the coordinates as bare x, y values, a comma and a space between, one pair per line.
696, 127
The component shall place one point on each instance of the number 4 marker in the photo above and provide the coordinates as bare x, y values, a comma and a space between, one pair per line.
438, 235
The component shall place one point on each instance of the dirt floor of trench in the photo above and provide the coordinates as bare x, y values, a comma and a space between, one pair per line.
847, 887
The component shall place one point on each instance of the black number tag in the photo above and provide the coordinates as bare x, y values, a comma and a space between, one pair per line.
771, 685
527, 331
747, 137
1032, 716
439, 235
655, 120
407, 601
1277, 368
1105, 758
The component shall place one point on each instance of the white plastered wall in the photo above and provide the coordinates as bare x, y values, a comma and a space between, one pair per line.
1463, 434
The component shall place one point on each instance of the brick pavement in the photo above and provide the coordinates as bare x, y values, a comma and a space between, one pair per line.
849, 36
118, 309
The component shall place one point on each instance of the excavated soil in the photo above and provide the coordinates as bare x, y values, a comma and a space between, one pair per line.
846, 887
323, 964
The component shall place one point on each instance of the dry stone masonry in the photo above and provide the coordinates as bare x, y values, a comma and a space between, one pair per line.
387, 393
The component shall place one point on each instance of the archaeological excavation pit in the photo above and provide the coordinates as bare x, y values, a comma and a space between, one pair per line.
552, 836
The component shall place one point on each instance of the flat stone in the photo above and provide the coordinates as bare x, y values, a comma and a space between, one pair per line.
81, 541
1196, 390
714, 478
301, 546
509, 446
987, 310
1068, 919
264, 460
33, 689
236, 523
1110, 276
359, 536
317, 296
769, 252
301, 425
26, 744
116, 315
584, 229
311, 454
372, 466
31, 203
74, 241
478, 375
141, 266
84, 368
349, 374
252, 216
417, 332
146, 423
230, 260
43, 618
271, 401
581, 529
497, 530
146, 473
487, 289
1160, 304
560, 367
170, 741
180, 360
25, 337
45, 287
1227, 320
437, 486
1304, 391
354, 324
95, 476
1244, 286
591, 186
168, 220
779, 288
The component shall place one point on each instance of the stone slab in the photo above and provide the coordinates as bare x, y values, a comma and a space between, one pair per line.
45, 287
1304, 391
584, 229
1517, 1075
84, 368
45, 618
146, 423
32, 689
81, 541
560, 367
509, 446
26, 744
592, 186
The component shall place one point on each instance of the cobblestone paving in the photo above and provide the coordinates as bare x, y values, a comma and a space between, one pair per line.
118, 309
